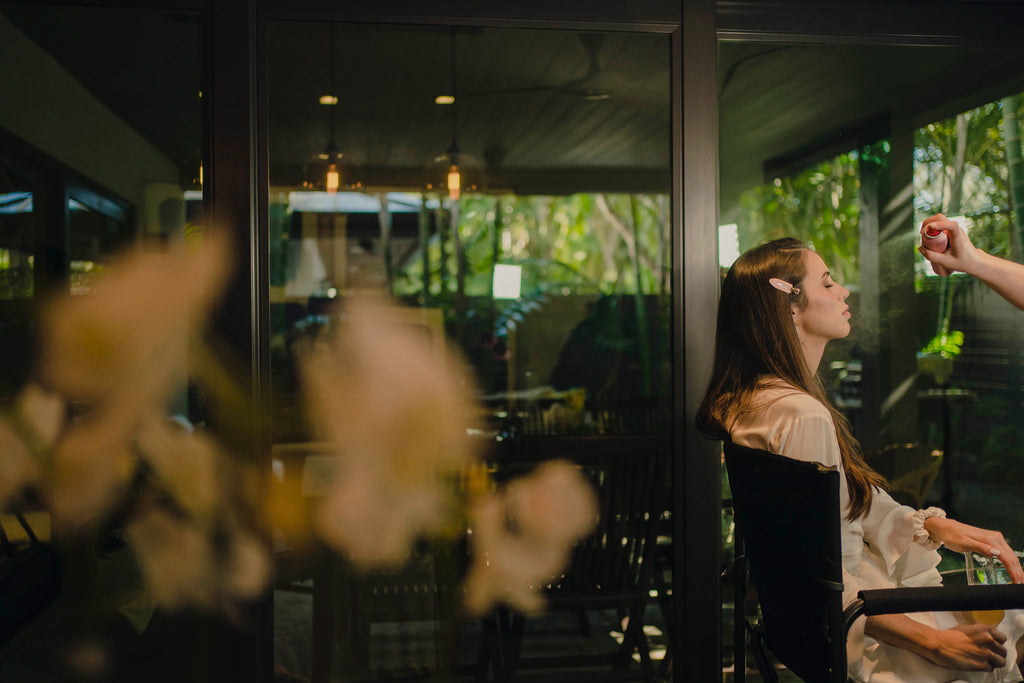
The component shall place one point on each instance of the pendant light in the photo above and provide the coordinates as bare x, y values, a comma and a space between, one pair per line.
334, 170
454, 172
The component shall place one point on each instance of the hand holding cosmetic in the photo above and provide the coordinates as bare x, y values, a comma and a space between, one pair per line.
1004, 277
934, 239
946, 245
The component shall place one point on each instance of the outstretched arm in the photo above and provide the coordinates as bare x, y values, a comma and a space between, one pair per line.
974, 647
1006, 278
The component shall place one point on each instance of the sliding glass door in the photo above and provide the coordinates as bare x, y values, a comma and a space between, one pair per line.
508, 191
846, 147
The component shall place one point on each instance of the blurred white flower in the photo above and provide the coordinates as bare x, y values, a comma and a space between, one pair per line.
184, 462
117, 352
128, 333
115, 355
26, 435
523, 536
43, 413
554, 504
396, 409
17, 466
184, 566
190, 546
89, 473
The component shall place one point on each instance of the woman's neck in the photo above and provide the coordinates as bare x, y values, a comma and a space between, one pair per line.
813, 352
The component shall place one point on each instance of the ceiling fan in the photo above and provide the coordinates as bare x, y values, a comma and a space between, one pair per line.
580, 87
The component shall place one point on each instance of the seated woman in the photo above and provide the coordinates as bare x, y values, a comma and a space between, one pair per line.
778, 309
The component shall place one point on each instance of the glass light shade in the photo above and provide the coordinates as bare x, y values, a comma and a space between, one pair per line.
333, 173
455, 173
454, 182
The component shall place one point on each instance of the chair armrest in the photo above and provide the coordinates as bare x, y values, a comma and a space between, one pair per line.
942, 598
931, 599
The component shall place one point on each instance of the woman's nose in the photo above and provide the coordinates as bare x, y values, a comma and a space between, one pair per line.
844, 293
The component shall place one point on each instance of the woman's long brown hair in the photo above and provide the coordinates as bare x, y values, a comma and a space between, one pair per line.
755, 338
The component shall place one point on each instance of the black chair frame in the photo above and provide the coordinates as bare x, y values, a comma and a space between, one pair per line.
788, 534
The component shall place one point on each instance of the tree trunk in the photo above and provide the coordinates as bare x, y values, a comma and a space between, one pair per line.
956, 191
495, 249
1011, 136
424, 237
384, 219
460, 271
956, 183
442, 223
642, 330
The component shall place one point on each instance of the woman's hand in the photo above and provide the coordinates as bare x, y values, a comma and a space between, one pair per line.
965, 538
973, 647
1006, 278
961, 255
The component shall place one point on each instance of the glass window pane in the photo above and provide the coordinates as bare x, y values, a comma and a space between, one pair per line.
839, 146
18, 196
509, 190
100, 132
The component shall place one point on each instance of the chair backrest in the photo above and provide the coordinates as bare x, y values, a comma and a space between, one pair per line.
631, 476
787, 512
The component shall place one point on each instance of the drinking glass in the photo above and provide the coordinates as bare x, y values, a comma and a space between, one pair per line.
985, 570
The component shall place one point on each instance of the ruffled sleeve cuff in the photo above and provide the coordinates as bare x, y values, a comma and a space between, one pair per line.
921, 536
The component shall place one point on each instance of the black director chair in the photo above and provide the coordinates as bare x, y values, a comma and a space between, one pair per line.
787, 514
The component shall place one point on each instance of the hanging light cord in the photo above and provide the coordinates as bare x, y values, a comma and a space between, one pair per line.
334, 93
454, 149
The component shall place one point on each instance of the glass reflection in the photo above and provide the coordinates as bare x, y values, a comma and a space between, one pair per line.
509, 190
929, 375
17, 213
99, 129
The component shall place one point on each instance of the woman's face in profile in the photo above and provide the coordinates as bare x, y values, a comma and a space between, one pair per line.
826, 315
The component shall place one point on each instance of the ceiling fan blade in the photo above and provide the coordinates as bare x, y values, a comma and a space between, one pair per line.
575, 87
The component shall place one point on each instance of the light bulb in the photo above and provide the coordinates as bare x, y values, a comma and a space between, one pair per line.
333, 178
454, 182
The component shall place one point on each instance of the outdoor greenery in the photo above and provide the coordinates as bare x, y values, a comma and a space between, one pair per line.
15, 275
589, 245
586, 243
962, 168
818, 206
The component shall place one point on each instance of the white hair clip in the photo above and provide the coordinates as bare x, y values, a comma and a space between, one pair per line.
783, 286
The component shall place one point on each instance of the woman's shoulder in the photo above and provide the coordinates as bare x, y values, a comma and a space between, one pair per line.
782, 398
784, 419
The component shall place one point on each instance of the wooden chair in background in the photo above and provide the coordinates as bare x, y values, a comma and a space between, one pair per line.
613, 570
910, 469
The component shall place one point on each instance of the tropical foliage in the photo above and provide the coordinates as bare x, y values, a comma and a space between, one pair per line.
595, 246
818, 205
583, 243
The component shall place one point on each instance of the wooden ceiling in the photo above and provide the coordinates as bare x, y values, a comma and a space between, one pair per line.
541, 109
545, 111
782, 105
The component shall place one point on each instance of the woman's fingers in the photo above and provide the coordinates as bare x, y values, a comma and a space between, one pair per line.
964, 538
1010, 561
933, 257
937, 218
